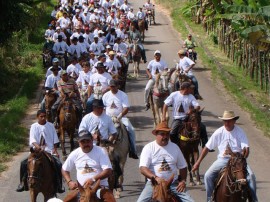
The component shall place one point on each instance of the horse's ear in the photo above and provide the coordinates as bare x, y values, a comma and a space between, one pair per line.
81, 189
200, 111
229, 150
169, 182
95, 188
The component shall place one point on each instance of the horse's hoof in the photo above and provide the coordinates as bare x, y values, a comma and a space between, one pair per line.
117, 194
199, 183
192, 184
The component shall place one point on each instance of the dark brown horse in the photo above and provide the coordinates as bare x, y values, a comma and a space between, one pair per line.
67, 123
50, 98
40, 175
231, 184
189, 142
141, 25
161, 191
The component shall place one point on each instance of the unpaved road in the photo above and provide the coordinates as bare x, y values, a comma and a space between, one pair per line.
163, 37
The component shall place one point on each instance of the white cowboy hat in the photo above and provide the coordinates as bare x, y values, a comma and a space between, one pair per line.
228, 115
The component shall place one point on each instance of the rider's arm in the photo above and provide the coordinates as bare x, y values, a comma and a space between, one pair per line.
148, 73
164, 111
198, 162
104, 174
71, 184
89, 90
147, 172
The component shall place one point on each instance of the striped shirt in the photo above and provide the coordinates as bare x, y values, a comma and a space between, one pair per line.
67, 87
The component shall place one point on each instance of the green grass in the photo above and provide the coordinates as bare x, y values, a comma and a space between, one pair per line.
247, 93
21, 73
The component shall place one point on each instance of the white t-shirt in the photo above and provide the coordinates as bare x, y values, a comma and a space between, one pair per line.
84, 79
154, 65
72, 70
103, 122
60, 47
176, 99
113, 65
115, 102
88, 165
49, 71
75, 50
236, 139
47, 131
51, 81
104, 80
185, 63
163, 161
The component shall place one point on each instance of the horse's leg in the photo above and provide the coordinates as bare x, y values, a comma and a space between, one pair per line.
135, 68
187, 157
62, 139
71, 139
33, 195
196, 156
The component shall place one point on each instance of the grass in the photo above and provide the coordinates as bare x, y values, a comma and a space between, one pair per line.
21, 73
247, 93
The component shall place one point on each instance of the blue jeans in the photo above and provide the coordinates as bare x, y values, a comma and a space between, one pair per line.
212, 173
89, 103
195, 82
147, 192
131, 133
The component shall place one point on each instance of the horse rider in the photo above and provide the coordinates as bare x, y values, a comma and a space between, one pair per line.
157, 65
160, 159
117, 105
42, 137
99, 124
68, 88
57, 33
92, 163
60, 48
141, 15
55, 64
98, 85
186, 65
122, 49
111, 37
73, 69
51, 84
96, 47
228, 135
189, 43
113, 64
75, 49
135, 35
181, 102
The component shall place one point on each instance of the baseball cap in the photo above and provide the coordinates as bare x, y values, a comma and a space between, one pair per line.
84, 135
157, 52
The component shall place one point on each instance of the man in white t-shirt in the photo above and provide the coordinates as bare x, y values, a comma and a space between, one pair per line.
92, 163
117, 105
228, 135
154, 66
181, 102
42, 137
98, 85
113, 64
99, 124
161, 159
186, 64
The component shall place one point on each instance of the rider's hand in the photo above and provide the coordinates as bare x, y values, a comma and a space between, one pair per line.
72, 94
95, 136
88, 183
181, 186
72, 185
150, 77
195, 166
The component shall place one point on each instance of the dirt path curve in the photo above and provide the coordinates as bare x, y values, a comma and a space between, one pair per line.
164, 38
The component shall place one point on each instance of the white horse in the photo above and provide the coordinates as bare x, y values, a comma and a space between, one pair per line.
136, 55
159, 94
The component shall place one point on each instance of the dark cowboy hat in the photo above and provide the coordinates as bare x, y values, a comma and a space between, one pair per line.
55, 68
98, 103
161, 127
100, 65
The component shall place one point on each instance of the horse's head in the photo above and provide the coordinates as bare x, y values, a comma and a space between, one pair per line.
161, 190
50, 98
35, 167
135, 48
68, 108
194, 122
162, 82
88, 193
237, 166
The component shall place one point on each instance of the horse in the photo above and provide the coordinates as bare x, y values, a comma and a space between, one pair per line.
177, 77
161, 191
189, 142
159, 94
84, 97
67, 123
118, 152
41, 175
231, 184
136, 55
141, 24
50, 98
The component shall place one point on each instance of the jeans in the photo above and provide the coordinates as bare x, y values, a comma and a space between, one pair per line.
42, 104
148, 88
131, 134
212, 173
142, 52
147, 192
177, 124
195, 82
89, 103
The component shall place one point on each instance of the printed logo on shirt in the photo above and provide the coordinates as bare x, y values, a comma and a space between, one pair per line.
164, 166
87, 169
113, 106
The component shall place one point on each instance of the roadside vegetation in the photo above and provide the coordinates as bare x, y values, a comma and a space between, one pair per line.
241, 58
21, 41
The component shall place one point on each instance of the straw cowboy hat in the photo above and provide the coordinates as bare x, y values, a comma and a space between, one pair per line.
161, 127
228, 115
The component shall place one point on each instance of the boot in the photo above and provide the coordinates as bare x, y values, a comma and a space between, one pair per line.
147, 106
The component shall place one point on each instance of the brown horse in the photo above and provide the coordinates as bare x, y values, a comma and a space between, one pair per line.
67, 123
161, 191
136, 55
88, 194
231, 184
40, 175
141, 25
189, 142
50, 98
